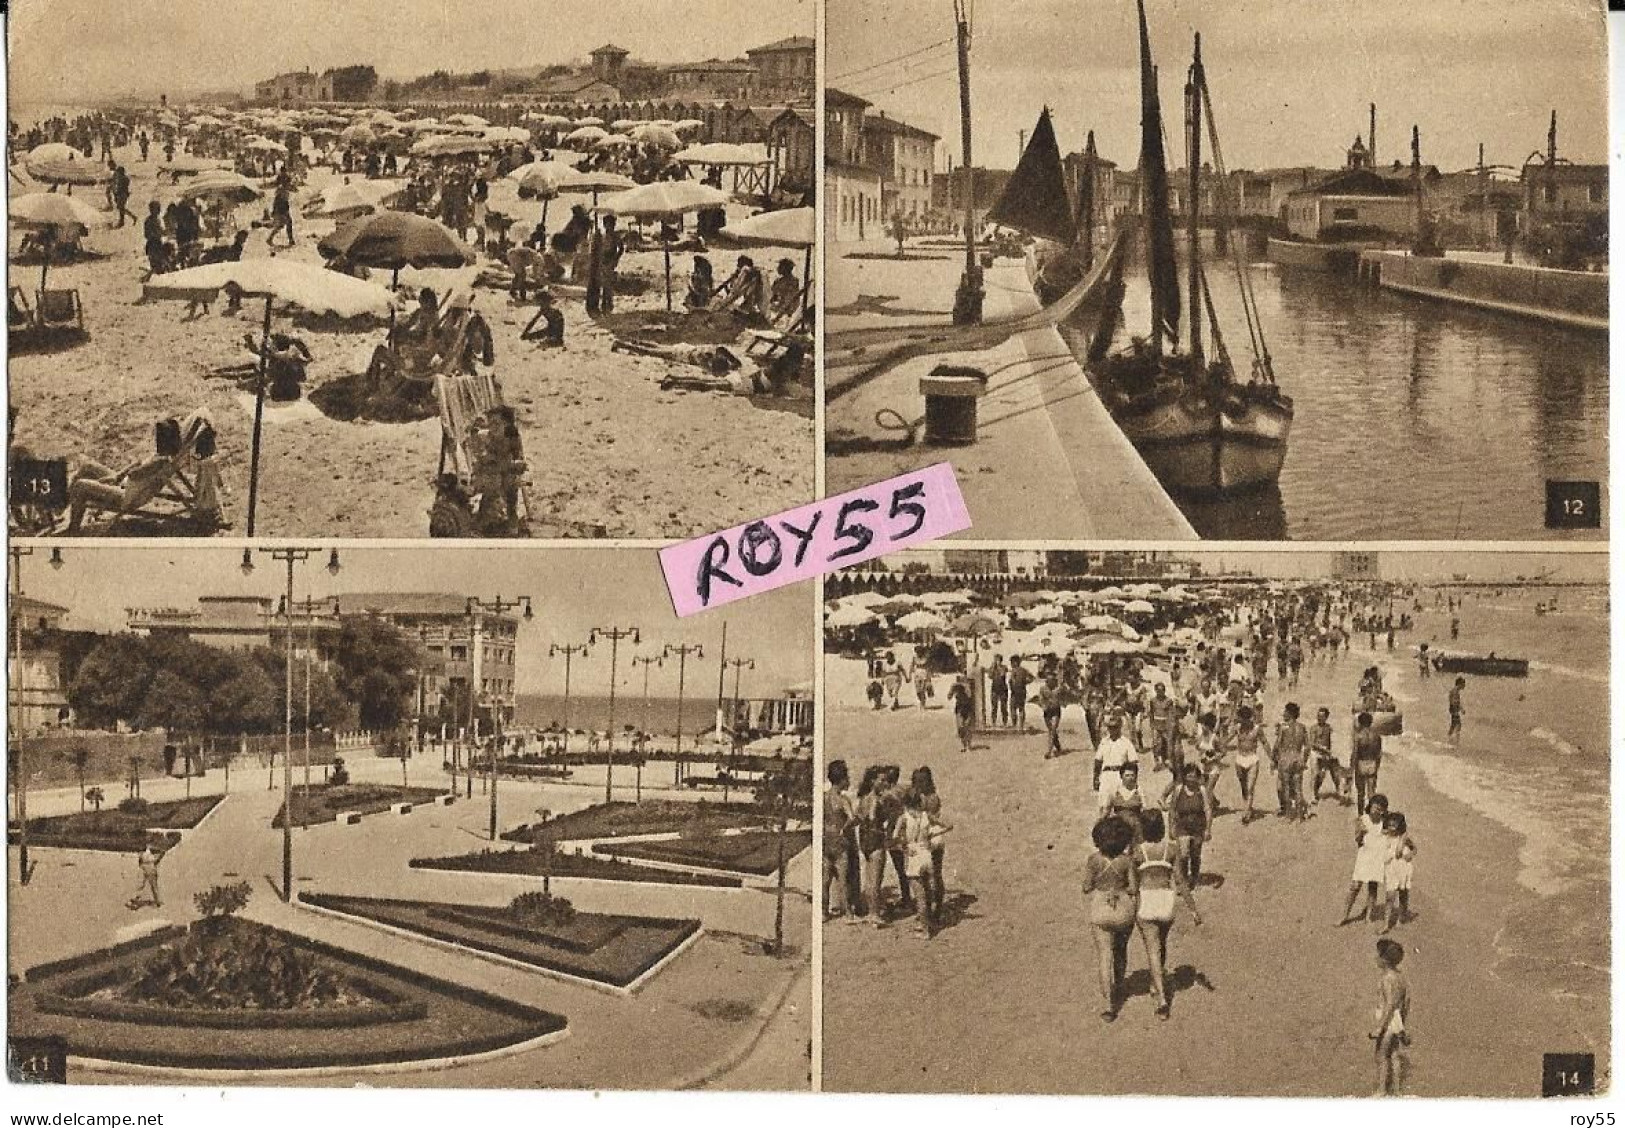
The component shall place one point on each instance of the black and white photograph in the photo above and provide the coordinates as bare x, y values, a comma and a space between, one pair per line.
1216, 823
306, 815
1251, 271
407, 270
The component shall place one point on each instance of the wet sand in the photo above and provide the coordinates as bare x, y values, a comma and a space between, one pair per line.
610, 454
1271, 999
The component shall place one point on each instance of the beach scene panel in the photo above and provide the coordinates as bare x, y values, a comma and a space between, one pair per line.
483, 276
1485, 675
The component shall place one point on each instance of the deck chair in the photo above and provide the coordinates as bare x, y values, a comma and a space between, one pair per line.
19, 314
768, 345
60, 311
181, 492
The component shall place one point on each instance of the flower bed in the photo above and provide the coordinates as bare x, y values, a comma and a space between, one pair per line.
754, 852
653, 816
380, 1013
328, 801
529, 863
119, 829
627, 947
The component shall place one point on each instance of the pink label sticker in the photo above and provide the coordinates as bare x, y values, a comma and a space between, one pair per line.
801, 543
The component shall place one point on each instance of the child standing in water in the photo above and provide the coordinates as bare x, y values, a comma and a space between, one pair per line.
1396, 872
1393, 1015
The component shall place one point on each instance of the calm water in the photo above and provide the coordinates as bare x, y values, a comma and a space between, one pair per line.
1414, 420
590, 711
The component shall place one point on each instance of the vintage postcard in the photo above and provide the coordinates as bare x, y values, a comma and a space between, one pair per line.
410, 270
451, 818
1217, 823
1244, 271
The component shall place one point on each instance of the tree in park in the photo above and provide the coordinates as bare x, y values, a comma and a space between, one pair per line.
111, 682
377, 669
79, 757
173, 704
97, 797
249, 700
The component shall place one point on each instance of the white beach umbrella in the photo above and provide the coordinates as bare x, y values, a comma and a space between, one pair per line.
472, 120
849, 617
50, 210
723, 153
1138, 607
666, 199
585, 135
922, 621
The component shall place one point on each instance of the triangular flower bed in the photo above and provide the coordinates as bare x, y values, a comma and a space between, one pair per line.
609, 949
120, 829
234, 994
754, 852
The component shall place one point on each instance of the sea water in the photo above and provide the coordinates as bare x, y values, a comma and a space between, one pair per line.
1533, 758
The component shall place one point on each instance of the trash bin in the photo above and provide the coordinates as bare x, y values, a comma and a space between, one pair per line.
951, 393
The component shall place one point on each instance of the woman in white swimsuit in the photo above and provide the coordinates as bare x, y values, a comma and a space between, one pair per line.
1249, 741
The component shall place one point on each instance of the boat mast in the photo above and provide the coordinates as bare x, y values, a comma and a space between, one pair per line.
1193, 131
1161, 267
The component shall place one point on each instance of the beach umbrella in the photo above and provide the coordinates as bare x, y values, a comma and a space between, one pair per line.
450, 146
1138, 607
865, 599
598, 121
540, 179
1101, 623
688, 125
305, 285
1040, 613
579, 181
393, 240
584, 135
974, 624
508, 135
547, 121
223, 184
626, 124
666, 199
922, 621
357, 134
40, 211
472, 120
660, 135
849, 617
722, 153
788, 227
1023, 599
613, 141
264, 145
353, 199
68, 171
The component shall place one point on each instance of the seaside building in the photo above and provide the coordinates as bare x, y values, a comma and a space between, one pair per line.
852, 190
1356, 566
1569, 191
1357, 204
469, 652
296, 87
786, 67
36, 695
905, 157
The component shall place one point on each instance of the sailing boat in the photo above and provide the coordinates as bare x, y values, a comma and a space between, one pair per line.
1199, 429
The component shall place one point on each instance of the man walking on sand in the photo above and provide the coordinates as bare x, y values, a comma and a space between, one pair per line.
1049, 701
1456, 711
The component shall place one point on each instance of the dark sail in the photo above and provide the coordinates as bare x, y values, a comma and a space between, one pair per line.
1161, 265
1086, 204
1035, 201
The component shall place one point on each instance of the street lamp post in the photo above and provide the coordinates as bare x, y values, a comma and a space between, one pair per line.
288, 556
495, 606
682, 653
738, 664
614, 634
645, 662
308, 606
14, 699
568, 652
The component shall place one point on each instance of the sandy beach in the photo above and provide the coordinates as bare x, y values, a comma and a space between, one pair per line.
1270, 998
610, 454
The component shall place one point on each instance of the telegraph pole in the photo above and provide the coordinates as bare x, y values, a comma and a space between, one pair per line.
290, 557
494, 606
968, 298
614, 634
14, 698
738, 664
568, 652
682, 653
645, 662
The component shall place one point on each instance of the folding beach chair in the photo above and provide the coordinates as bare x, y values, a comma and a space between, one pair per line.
19, 314
188, 502
60, 311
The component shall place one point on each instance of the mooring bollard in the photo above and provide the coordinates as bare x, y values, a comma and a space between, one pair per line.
951, 392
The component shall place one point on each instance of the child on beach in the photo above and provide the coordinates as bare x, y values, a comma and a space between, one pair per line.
1397, 870
1393, 1016
1370, 858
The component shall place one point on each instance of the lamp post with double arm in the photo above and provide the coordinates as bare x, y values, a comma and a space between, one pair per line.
614, 634
496, 605
682, 653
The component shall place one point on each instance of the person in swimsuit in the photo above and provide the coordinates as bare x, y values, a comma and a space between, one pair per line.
840, 828
1287, 757
1320, 742
1161, 873
1456, 710
1370, 859
1112, 885
924, 785
1366, 759
1248, 741
1397, 870
1190, 812
911, 835
1393, 1014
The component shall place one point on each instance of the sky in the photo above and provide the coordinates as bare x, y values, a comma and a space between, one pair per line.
65, 51
1291, 81
572, 591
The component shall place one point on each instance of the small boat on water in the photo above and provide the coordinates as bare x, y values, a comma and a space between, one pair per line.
1488, 666
1200, 429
